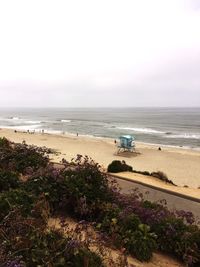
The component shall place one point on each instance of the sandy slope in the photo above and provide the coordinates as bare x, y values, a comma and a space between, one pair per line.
158, 259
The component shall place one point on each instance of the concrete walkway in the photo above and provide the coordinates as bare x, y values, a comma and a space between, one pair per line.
174, 200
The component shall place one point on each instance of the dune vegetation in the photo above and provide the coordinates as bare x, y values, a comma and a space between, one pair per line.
33, 189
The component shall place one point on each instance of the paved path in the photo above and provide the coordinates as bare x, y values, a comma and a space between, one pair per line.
173, 201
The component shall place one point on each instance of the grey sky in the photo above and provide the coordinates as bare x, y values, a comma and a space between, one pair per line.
99, 53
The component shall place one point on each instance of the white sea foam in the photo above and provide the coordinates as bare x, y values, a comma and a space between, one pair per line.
65, 120
186, 136
18, 120
141, 130
15, 118
10, 119
32, 122
22, 127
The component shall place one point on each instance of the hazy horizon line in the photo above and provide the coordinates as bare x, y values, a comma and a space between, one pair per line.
92, 107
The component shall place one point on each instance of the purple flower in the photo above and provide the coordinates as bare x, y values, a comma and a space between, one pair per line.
15, 263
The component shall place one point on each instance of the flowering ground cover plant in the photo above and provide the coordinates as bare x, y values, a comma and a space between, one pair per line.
21, 157
26, 241
8, 180
80, 189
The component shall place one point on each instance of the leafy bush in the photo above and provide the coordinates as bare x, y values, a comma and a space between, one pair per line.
79, 188
15, 198
47, 181
167, 228
126, 230
141, 243
162, 176
19, 157
86, 187
28, 242
188, 249
143, 172
185, 242
128, 222
119, 166
4, 143
8, 180
108, 218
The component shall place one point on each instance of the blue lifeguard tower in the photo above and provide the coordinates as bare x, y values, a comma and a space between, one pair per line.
126, 143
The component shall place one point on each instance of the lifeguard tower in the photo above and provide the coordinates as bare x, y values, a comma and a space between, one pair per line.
126, 143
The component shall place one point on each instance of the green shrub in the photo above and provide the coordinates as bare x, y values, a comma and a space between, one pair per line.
130, 222
86, 187
119, 166
140, 243
15, 198
19, 157
168, 228
29, 240
188, 248
143, 172
151, 205
126, 230
182, 240
108, 218
162, 176
4, 143
84, 257
45, 183
8, 180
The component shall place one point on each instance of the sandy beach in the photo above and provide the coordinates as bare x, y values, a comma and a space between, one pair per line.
182, 166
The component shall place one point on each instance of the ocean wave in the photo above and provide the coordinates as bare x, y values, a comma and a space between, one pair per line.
65, 120
32, 122
14, 118
22, 127
184, 136
17, 120
10, 119
141, 130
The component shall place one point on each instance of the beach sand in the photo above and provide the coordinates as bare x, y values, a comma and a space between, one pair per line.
158, 260
182, 166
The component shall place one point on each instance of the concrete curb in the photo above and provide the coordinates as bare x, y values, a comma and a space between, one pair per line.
157, 188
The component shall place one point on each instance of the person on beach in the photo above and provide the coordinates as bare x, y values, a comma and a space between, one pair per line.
77, 134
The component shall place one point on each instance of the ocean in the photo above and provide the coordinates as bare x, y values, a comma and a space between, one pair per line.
178, 127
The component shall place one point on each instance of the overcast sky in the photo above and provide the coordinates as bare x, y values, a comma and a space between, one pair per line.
71, 53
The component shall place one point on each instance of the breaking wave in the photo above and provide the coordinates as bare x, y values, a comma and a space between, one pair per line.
65, 120
186, 136
141, 130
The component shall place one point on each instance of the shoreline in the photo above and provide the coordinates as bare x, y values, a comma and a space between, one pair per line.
69, 134
181, 165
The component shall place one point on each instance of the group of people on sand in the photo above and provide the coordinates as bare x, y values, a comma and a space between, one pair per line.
30, 132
